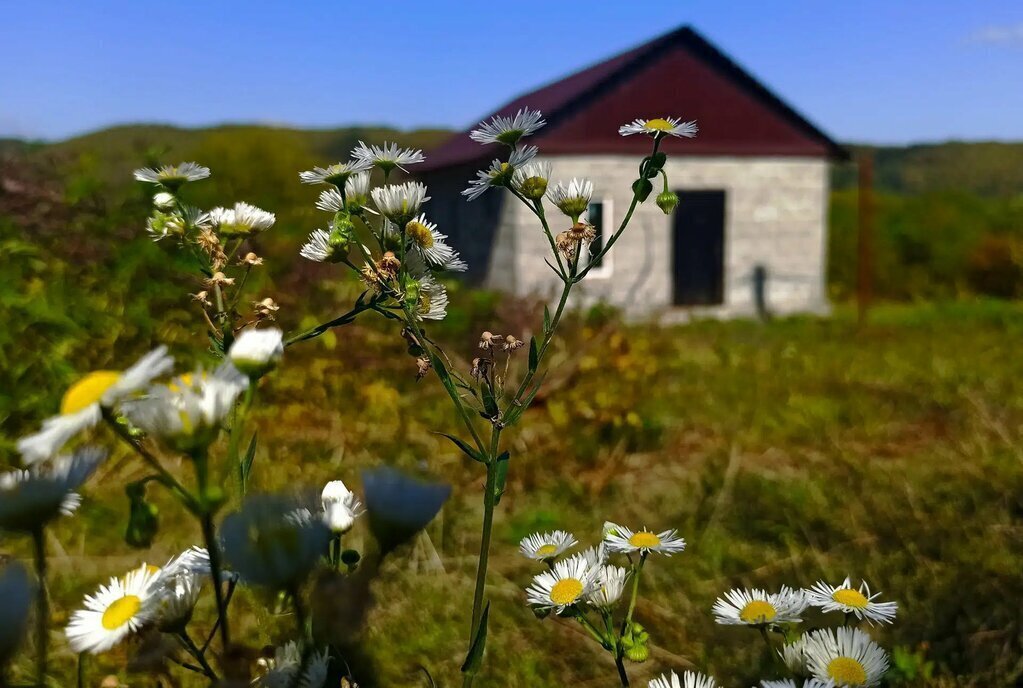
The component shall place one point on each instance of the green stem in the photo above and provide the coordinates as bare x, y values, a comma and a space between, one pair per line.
190, 647
635, 588
80, 674
604, 641
42, 605
209, 533
237, 428
345, 319
620, 665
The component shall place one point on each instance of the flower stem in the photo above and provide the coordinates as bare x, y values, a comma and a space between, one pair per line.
190, 647
620, 665
209, 533
635, 587
42, 605
234, 441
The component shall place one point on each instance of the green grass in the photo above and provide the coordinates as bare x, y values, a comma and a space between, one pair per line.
784, 452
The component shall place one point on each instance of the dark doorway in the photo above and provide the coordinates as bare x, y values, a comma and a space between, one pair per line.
698, 263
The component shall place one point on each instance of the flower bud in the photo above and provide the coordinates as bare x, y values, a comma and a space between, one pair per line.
534, 188
667, 201
257, 352
164, 201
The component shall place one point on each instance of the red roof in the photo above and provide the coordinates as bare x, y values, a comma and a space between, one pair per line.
678, 74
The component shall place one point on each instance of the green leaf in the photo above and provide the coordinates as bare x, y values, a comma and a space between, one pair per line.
502, 476
642, 189
466, 449
250, 456
474, 659
490, 407
546, 319
534, 355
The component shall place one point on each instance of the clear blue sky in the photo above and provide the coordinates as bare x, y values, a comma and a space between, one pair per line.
874, 70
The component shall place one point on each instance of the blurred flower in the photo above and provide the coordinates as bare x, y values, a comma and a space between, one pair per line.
176, 588
399, 506
671, 126
489, 340
499, 173
257, 352
82, 404
266, 308
340, 506
569, 582
846, 656
531, 180
281, 671
172, 176
757, 607
608, 587
790, 683
16, 593
624, 540
399, 203
573, 199
31, 498
266, 546
508, 130
187, 412
242, 220
119, 608
388, 156
546, 546
688, 679
336, 174
847, 599
164, 201
250, 259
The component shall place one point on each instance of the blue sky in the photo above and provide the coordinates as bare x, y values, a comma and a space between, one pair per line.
873, 70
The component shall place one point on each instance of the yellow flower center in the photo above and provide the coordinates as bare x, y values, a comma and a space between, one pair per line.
846, 671
659, 124
850, 598
88, 391
758, 611
546, 551
566, 591
644, 539
419, 233
121, 612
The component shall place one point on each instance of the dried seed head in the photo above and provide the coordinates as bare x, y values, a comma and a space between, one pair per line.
265, 309
251, 259
389, 265
220, 278
511, 343
202, 297
423, 366
489, 339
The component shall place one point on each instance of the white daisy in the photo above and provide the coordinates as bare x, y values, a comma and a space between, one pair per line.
758, 607
570, 582
256, 352
320, 249
609, 585
688, 679
33, 497
625, 540
499, 173
670, 126
16, 594
546, 546
846, 656
780, 683
388, 156
572, 199
82, 404
508, 130
438, 254
340, 506
164, 201
399, 203
531, 179
433, 299
280, 671
594, 556
176, 588
187, 412
266, 547
336, 174
793, 655
242, 220
119, 608
172, 176
845, 598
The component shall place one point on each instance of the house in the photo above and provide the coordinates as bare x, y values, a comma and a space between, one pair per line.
751, 226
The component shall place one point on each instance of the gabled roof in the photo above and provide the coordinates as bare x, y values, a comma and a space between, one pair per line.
680, 74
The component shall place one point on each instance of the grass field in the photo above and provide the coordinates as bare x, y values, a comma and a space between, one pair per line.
784, 452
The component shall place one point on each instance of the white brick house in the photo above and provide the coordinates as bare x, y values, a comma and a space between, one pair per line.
752, 222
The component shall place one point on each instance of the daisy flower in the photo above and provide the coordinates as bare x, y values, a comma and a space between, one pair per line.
572, 199
388, 157
790, 683
431, 243
186, 413
433, 299
569, 582
336, 174
82, 404
845, 598
670, 126
757, 607
793, 655
340, 506
281, 671
499, 173
266, 547
30, 498
846, 656
508, 130
116, 610
242, 220
624, 540
399, 203
531, 179
608, 587
320, 249
594, 556
16, 594
172, 176
176, 589
357, 193
546, 546
689, 679
256, 352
